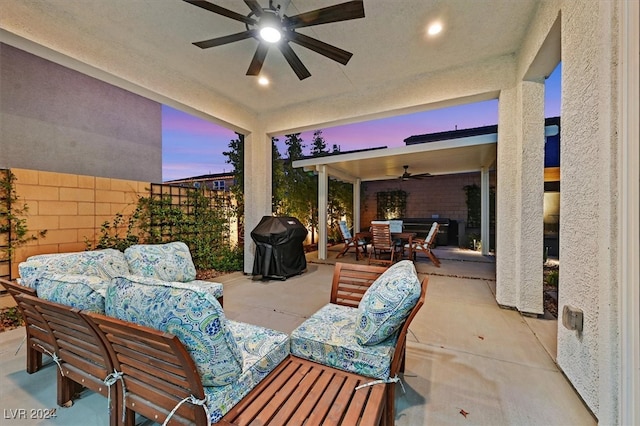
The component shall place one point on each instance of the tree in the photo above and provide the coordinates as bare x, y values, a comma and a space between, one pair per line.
318, 146
278, 186
235, 157
300, 199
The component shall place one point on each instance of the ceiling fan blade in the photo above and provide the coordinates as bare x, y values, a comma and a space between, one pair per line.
421, 175
258, 59
222, 11
336, 13
205, 44
254, 6
320, 47
298, 67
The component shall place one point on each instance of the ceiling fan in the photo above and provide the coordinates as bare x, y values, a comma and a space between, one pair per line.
271, 26
406, 175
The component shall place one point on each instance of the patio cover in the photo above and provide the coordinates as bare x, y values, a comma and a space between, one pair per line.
462, 155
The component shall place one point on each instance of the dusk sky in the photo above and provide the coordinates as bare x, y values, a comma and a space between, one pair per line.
192, 146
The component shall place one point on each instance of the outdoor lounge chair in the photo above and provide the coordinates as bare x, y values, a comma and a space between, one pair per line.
425, 245
39, 339
383, 245
349, 241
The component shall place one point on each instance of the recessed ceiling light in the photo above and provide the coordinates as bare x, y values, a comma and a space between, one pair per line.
263, 81
434, 28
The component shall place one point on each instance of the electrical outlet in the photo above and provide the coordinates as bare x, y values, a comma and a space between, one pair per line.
572, 318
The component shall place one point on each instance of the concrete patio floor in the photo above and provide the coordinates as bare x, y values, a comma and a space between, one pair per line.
469, 362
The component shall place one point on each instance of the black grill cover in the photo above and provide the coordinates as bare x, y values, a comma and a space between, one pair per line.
279, 247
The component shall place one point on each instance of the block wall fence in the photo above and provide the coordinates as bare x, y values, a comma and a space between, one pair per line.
71, 208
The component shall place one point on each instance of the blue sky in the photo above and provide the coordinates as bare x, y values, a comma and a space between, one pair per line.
192, 146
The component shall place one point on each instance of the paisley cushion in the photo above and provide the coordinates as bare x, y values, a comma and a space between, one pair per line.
262, 350
106, 264
191, 312
79, 291
168, 262
328, 337
387, 303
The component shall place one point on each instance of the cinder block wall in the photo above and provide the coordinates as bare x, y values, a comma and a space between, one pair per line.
71, 208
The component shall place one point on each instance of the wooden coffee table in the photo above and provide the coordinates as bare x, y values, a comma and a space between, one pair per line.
301, 392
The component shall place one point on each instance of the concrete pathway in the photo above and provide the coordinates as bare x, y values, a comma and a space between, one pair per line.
469, 362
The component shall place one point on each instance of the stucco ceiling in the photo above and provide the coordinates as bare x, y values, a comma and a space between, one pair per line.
148, 43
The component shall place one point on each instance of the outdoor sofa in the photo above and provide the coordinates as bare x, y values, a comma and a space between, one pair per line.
176, 358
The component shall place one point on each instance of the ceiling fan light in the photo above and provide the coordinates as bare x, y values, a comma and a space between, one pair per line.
270, 27
270, 34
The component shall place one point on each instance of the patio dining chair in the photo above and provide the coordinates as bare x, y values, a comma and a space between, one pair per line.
425, 245
383, 245
349, 241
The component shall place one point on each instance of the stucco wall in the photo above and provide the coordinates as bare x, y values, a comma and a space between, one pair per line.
587, 204
56, 119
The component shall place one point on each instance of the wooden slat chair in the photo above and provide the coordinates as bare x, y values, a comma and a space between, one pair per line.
158, 371
39, 339
425, 245
83, 358
383, 245
358, 244
350, 282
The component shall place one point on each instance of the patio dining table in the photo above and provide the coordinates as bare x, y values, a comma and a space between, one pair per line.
402, 237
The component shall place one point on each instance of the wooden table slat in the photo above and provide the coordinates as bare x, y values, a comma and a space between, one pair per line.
245, 415
326, 401
301, 392
306, 407
283, 396
342, 402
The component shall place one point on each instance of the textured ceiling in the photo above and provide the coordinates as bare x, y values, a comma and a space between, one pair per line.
148, 43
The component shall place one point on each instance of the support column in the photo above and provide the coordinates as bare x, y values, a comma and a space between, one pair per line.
356, 206
506, 196
530, 250
257, 187
629, 208
323, 203
485, 214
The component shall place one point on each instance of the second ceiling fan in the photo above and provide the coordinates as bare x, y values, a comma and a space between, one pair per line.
271, 26
406, 175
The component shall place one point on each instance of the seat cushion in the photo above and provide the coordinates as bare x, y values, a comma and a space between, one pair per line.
106, 264
262, 350
190, 312
387, 303
79, 291
167, 262
328, 337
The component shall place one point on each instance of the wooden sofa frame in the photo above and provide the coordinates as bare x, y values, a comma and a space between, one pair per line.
39, 339
81, 355
158, 372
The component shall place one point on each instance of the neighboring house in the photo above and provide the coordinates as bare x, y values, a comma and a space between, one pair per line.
214, 182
